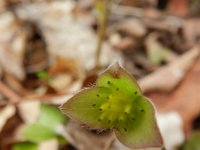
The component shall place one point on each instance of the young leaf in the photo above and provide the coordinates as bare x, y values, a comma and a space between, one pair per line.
25, 146
192, 143
38, 133
117, 102
43, 75
51, 116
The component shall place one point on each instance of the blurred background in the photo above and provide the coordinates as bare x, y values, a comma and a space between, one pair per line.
50, 49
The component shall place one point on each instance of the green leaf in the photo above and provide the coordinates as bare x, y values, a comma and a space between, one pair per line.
116, 77
51, 116
43, 75
25, 146
157, 56
192, 143
85, 106
117, 102
37, 133
140, 129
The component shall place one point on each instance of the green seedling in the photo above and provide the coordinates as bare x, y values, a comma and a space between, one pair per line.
117, 102
43, 75
43, 129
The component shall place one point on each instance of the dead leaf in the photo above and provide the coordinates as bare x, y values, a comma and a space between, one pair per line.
122, 43
50, 145
61, 82
191, 31
29, 110
184, 99
132, 27
12, 43
178, 7
83, 139
66, 35
16, 85
168, 77
66, 66
63, 73
8, 93
5, 114
7, 134
158, 53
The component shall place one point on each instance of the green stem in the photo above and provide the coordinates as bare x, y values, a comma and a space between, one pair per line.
102, 31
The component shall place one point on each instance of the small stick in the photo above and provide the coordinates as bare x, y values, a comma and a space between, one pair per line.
102, 31
6, 91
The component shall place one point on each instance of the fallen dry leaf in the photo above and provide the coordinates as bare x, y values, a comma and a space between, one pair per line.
50, 145
29, 110
83, 139
16, 85
122, 43
132, 27
66, 35
191, 31
168, 77
12, 44
61, 82
184, 99
8, 93
158, 53
178, 7
66, 66
6, 113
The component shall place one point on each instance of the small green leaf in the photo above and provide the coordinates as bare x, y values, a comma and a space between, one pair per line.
25, 146
51, 116
117, 102
43, 75
192, 143
37, 133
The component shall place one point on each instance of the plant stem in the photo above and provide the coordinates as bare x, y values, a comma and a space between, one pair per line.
102, 31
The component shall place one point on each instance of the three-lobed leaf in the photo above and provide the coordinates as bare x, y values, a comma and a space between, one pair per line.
117, 102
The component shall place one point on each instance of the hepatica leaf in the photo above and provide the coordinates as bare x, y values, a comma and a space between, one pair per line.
25, 146
51, 116
117, 102
38, 133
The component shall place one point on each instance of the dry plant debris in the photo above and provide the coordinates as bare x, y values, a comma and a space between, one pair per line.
47, 53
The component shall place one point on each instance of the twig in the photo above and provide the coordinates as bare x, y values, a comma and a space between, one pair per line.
127, 11
102, 31
6, 91
43, 98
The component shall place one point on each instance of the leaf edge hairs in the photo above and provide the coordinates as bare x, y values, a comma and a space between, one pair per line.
116, 102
